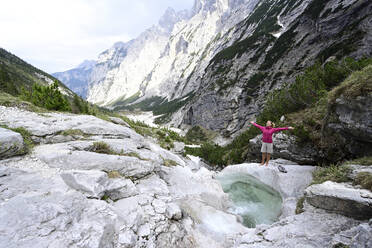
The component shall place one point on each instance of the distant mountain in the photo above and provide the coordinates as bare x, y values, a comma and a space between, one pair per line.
214, 65
77, 79
16, 73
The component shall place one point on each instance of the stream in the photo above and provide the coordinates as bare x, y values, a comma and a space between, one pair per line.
256, 202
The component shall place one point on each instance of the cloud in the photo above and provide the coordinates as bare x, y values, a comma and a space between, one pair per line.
56, 35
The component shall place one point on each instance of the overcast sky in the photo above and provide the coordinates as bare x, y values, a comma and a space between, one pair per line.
57, 35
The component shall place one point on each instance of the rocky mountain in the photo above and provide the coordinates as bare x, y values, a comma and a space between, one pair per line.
214, 65
15, 73
76, 79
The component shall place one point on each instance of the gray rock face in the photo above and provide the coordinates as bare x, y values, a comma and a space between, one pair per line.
354, 123
342, 199
96, 184
11, 143
286, 147
230, 91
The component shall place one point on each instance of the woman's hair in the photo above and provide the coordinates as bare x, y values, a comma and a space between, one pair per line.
272, 124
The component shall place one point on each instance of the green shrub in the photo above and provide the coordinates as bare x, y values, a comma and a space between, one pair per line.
101, 147
48, 97
338, 174
364, 179
196, 134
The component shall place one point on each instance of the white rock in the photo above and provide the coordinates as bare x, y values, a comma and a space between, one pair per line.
159, 206
144, 230
127, 239
341, 198
173, 212
11, 143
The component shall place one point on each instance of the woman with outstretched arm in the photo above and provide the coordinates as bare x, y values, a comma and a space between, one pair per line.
267, 140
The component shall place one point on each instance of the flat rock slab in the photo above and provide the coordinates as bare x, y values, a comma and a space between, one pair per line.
11, 143
46, 124
341, 198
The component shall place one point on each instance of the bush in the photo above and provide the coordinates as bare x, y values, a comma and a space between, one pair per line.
338, 174
196, 134
101, 147
48, 97
311, 86
364, 179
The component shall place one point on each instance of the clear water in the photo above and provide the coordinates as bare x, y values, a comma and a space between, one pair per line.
255, 201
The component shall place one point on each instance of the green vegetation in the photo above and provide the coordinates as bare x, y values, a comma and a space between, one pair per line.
300, 205
306, 103
101, 147
159, 106
26, 135
361, 161
335, 173
311, 87
364, 179
48, 97
113, 174
198, 134
314, 9
340, 245
169, 162
73, 132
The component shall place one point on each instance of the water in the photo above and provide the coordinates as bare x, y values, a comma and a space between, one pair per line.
255, 201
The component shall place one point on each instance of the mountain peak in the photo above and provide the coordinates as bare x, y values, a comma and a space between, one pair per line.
87, 64
171, 17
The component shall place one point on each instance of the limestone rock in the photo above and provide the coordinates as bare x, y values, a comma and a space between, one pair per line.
119, 121
286, 147
11, 143
173, 211
96, 184
341, 198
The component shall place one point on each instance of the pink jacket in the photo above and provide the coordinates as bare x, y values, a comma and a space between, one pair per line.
267, 132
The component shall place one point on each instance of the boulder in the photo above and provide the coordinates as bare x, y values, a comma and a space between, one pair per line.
173, 212
286, 147
119, 121
11, 143
96, 184
341, 198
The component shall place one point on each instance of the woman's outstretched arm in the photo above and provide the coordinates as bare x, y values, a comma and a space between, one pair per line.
256, 125
278, 129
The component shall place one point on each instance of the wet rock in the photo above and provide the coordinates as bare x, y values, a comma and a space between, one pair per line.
341, 198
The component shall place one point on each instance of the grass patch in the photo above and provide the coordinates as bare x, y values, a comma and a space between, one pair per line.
300, 205
169, 162
334, 173
358, 84
360, 161
73, 132
26, 135
364, 179
101, 147
113, 174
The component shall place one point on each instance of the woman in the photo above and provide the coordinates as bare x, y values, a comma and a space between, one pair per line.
267, 140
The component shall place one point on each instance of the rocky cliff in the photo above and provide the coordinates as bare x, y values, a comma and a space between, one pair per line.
228, 55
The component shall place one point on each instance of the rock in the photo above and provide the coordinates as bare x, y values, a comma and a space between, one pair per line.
179, 147
40, 212
356, 237
51, 124
144, 230
127, 239
286, 147
309, 229
11, 143
119, 121
93, 183
173, 212
159, 206
341, 198
120, 188
129, 212
68, 156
